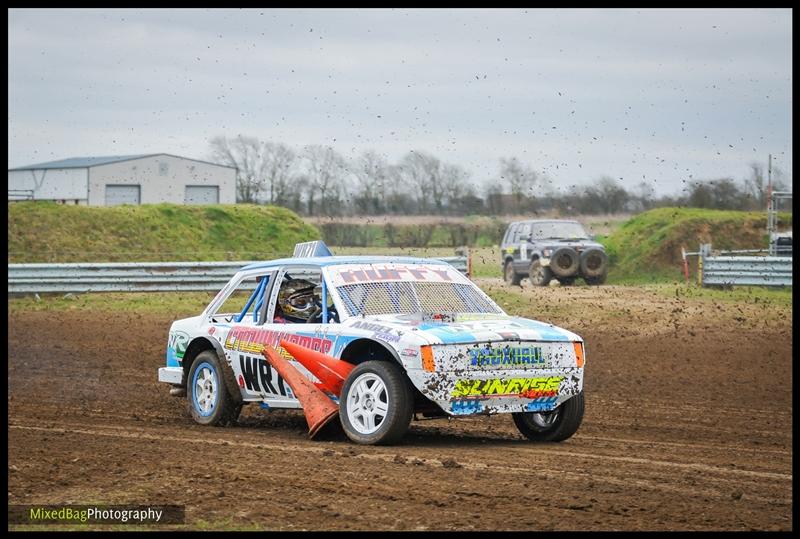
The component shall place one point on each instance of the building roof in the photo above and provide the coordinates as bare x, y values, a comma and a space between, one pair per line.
86, 162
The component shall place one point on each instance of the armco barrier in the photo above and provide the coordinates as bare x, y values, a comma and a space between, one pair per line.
747, 270
133, 276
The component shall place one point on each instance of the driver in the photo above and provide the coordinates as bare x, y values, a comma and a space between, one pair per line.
298, 302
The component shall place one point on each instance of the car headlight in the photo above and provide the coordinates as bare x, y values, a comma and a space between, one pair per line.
547, 252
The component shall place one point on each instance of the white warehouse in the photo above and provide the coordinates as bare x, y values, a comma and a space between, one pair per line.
125, 179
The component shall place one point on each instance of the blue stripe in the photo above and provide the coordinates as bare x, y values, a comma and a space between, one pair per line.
447, 334
547, 331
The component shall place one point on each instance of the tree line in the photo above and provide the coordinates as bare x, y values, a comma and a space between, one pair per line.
319, 181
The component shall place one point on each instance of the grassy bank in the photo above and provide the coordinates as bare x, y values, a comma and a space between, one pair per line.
649, 244
48, 232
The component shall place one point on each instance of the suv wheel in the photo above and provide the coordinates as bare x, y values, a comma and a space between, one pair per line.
540, 275
594, 263
565, 262
511, 277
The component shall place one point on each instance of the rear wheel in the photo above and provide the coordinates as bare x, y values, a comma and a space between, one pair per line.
540, 275
376, 404
554, 426
512, 278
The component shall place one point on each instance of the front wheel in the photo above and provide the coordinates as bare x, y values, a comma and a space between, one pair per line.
554, 426
511, 277
376, 404
209, 400
540, 275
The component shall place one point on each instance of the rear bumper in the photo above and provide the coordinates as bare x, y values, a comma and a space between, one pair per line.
171, 375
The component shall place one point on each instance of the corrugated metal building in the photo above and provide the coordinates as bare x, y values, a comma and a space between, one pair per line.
125, 179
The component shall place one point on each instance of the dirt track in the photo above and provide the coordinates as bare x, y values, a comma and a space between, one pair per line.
688, 426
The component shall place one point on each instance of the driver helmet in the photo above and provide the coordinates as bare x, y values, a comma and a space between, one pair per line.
298, 299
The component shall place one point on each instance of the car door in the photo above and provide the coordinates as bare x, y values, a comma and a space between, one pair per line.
243, 314
522, 248
510, 246
320, 334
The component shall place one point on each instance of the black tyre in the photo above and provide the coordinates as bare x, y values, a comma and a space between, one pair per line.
539, 275
511, 277
376, 404
564, 262
210, 403
594, 263
554, 426
567, 281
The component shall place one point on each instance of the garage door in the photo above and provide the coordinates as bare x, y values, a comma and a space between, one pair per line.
122, 194
201, 194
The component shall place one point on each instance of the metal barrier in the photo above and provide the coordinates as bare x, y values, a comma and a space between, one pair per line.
20, 194
723, 270
134, 276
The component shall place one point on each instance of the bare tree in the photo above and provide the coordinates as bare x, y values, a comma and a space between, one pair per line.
279, 162
372, 173
521, 180
326, 171
423, 172
264, 169
455, 184
244, 153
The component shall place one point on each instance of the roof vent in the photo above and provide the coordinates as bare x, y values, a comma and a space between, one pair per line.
310, 249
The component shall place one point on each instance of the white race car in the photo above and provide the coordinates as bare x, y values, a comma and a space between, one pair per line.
423, 339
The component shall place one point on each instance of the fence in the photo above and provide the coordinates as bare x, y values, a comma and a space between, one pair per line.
135, 276
20, 194
726, 268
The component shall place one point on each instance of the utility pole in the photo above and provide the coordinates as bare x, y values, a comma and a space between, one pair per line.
770, 213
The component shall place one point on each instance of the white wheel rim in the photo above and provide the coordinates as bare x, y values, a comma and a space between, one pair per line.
544, 420
367, 403
205, 390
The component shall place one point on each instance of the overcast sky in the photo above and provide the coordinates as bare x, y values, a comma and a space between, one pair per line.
660, 96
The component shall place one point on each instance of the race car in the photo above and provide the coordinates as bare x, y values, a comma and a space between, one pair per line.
422, 338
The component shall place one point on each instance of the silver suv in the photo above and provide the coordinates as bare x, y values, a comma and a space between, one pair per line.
546, 249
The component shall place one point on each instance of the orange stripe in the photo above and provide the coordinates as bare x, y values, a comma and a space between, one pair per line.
578, 353
427, 358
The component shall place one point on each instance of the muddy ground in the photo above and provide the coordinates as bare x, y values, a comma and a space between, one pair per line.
688, 427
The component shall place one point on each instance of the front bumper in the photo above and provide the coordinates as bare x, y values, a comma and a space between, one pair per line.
500, 391
171, 375
501, 377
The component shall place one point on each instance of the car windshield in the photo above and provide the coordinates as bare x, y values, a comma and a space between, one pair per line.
375, 289
558, 230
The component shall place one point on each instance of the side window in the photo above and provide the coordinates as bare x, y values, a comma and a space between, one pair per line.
298, 298
245, 304
509, 233
524, 231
